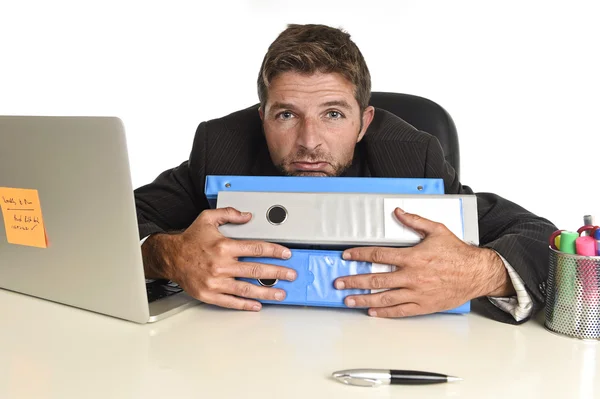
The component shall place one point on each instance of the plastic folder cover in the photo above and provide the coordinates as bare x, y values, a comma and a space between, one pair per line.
317, 270
314, 184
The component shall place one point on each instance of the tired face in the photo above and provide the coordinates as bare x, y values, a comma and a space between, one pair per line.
312, 123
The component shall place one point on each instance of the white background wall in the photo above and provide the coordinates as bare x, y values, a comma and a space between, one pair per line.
508, 72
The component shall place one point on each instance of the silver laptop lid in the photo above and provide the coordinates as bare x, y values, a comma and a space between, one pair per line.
80, 169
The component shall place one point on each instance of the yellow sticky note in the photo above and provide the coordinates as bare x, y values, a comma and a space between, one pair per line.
23, 217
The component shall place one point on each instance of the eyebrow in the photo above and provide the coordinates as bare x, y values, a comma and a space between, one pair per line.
335, 103
277, 105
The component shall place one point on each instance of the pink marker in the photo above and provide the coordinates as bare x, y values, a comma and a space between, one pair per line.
585, 246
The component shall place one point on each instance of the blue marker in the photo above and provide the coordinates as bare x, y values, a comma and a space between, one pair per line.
597, 238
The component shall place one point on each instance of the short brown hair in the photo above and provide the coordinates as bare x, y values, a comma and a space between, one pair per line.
315, 48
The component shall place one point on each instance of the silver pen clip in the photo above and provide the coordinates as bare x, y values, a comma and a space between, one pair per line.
364, 379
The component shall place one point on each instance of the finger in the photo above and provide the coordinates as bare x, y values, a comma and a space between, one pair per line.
402, 310
382, 255
257, 249
380, 300
419, 224
245, 289
222, 216
263, 271
232, 302
373, 281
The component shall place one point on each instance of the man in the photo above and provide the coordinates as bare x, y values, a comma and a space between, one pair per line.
314, 119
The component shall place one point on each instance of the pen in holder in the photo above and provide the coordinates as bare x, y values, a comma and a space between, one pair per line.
573, 295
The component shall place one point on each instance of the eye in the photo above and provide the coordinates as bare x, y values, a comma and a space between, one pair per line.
335, 114
285, 115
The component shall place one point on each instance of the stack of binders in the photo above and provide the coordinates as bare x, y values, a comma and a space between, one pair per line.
319, 217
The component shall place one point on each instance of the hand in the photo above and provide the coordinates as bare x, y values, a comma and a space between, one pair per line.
204, 262
440, 273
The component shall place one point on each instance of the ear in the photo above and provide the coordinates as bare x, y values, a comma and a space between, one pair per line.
261, 113
367, 118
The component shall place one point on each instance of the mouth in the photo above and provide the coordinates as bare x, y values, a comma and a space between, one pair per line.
310, 166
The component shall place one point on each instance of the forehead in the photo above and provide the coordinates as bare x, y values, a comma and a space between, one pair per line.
310, 89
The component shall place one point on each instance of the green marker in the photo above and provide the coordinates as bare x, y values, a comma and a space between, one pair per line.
567, 242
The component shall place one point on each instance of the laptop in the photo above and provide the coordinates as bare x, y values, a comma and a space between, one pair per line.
79, 167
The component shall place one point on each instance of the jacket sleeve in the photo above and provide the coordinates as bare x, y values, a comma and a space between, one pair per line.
176, 197
520, 236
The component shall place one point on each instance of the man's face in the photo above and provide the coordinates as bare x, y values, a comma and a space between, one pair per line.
312, 123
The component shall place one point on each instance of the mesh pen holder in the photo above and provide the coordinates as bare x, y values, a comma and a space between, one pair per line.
573, 295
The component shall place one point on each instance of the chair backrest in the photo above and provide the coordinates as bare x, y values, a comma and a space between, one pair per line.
424, 115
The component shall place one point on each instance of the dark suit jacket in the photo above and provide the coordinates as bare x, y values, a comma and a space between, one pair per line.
235, 145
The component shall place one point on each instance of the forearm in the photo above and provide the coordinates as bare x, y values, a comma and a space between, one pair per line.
170, 202
523, 241
513, 232
520, 305
521, 238
494, 278
158, 255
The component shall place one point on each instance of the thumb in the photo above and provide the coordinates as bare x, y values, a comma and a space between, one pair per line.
422, 226
222, 216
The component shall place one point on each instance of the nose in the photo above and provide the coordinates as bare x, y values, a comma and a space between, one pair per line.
309, 135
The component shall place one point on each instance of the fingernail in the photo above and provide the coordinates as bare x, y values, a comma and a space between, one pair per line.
256, 307
279, 296
400, 210
246, 214
346, 255
290, 275
339, 285
287, 253
351, 302
372, 313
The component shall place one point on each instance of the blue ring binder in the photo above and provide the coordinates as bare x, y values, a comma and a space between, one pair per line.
318, 268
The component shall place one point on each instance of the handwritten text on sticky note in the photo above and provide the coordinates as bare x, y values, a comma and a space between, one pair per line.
23, 217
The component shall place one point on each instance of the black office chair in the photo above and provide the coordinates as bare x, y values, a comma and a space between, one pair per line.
424, 115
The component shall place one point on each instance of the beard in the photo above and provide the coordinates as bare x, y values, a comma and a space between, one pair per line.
304, 155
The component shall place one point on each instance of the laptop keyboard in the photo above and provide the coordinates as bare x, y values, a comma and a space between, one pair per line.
158, 289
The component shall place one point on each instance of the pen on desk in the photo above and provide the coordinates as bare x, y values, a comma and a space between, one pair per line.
377, 377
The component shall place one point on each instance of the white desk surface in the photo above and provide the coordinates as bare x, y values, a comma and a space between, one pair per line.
49, 350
